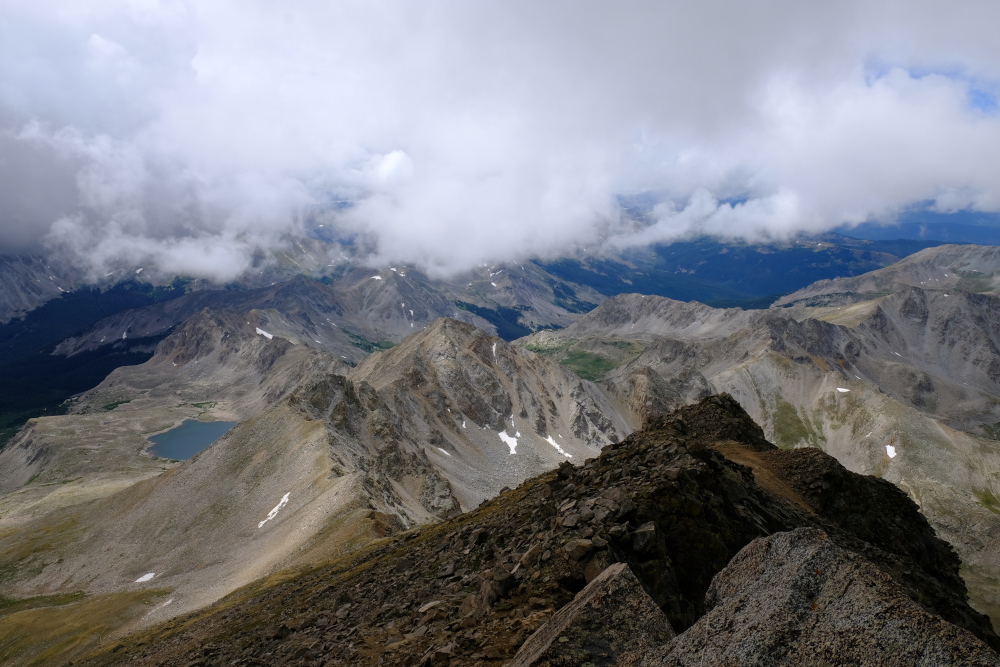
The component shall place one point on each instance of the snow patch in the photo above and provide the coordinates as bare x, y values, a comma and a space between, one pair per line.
138, 272
443, 452
463, 423
494, 350
494, 284
842, 390
264, 333
273, 513
145, 577
559, 449
161, 606
509, 441
891, 451
376, 277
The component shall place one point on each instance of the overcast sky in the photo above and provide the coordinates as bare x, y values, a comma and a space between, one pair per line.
182, 135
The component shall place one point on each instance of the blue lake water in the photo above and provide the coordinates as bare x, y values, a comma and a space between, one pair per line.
184, 441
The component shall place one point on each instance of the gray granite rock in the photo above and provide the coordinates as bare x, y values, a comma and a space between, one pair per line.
610, 622
795, 598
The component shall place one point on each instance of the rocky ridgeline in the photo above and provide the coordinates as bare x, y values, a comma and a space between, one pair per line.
672, 509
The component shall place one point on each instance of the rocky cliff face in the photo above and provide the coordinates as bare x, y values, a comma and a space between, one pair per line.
669, 502
492, 414
798, 598
27, 282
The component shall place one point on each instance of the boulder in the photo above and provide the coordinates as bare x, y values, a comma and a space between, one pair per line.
797, 598
611, 621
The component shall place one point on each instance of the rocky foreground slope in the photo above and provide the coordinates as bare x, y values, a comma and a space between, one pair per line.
675, 503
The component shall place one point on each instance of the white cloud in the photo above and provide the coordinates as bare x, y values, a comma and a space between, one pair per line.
183, 135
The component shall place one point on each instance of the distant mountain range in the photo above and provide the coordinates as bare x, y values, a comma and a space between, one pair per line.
61, 337
958, 227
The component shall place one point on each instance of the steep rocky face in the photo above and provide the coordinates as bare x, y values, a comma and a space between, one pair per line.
946, 351
217, 354
611, 621
27, 282
797, 598
789, 598
485, 414
670, 502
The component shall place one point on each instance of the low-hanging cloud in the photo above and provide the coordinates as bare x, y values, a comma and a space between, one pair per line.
186, 136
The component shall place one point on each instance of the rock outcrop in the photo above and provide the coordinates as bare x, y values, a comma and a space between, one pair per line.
612, 620
797, 598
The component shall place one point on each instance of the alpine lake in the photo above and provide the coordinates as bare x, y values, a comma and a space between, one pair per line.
190, 437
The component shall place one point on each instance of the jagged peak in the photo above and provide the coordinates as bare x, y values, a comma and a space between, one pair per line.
442, 334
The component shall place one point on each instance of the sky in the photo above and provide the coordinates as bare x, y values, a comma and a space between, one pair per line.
187, 136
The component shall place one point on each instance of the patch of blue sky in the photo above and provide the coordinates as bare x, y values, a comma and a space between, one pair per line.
983, 100
981, 95
734, 201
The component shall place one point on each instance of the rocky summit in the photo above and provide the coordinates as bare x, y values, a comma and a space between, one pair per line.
730, 549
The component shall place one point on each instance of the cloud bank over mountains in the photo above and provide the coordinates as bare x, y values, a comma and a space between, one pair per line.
186, 135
